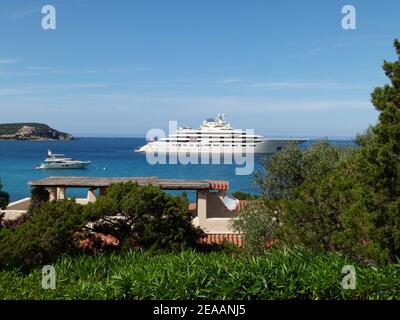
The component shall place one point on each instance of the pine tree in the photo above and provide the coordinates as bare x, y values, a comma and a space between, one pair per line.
379, 167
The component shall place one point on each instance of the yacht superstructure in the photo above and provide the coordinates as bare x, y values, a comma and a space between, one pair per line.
217, 136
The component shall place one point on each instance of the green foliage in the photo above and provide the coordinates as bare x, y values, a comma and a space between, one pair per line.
346, 200
299, 205
12, 128
281, 173
285, 274
46, 235
330, 214
313, 219
4, 198
149, 218
288, 169
244, 195
378, 169
365, 138
258, 222
39, 195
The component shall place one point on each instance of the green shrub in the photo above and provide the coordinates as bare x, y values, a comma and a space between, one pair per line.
4, 198
244, 195
305, 204
291, 167
365, 138
281, 173
148, 217
258, 221
151, 219
39, 195
46, 235
313, 219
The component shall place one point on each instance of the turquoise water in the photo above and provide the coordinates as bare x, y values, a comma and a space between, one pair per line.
111, 157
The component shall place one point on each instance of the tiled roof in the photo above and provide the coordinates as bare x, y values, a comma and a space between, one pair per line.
234, 238
97, 241
214, 238
219, 185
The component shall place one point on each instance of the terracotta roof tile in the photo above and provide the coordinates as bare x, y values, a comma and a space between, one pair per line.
214, 238
234, 238
219, 185
104, 239
242, 204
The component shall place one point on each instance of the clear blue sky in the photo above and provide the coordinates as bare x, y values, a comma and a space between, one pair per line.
122, 67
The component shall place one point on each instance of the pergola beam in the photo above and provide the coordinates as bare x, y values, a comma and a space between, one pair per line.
93, 182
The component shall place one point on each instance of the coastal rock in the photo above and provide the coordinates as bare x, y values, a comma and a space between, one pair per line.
31, 131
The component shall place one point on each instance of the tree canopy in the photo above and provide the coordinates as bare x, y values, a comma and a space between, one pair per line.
4, 197
342, 199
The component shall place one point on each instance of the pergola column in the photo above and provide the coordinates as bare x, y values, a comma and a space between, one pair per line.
60, 193
202, 206
53, 194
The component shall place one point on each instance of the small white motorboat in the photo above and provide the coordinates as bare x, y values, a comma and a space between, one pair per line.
59, 161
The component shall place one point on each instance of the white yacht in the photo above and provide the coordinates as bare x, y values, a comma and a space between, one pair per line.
217, 136
59, 161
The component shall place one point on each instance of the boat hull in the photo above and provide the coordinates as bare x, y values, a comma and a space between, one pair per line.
49, 166
267, 146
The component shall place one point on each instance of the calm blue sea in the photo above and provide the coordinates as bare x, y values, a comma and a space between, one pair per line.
111, 157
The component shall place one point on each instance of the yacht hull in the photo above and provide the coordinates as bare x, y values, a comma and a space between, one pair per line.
267, 146
82, 165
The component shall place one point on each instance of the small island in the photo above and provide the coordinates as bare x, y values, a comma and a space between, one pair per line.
31, 131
